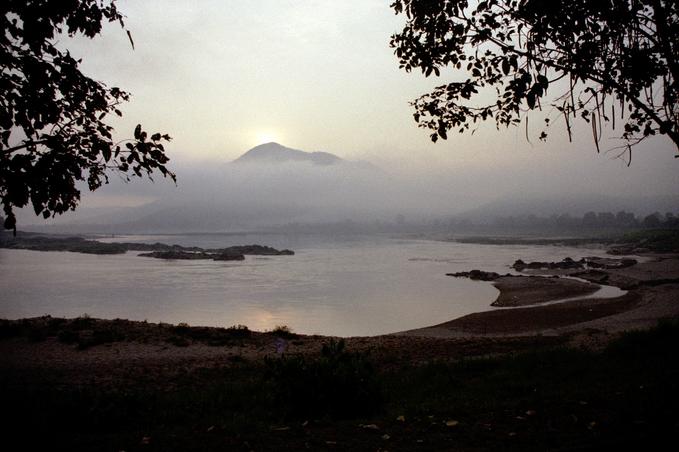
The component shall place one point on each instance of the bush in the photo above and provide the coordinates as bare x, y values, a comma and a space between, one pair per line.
83, 322
337, 384
239, 331
211, 336
284, 332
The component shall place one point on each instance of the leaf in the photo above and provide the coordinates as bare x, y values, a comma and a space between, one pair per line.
10, 221
505, 66
369, 426
129, 36
530, 99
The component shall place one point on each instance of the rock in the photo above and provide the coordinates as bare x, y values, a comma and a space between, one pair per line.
476, 275
253, 250
566, 264
177, 255
232, 253
228, 257
42, 242
609, 263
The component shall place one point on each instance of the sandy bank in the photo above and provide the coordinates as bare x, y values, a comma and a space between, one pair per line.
653, 295
523, 291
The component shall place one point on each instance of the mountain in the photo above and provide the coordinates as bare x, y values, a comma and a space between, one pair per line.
274, 153
268, 185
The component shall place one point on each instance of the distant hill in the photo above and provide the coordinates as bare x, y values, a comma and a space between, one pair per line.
268, 185
274, 152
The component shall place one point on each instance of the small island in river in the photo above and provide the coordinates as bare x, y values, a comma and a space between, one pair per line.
76, 244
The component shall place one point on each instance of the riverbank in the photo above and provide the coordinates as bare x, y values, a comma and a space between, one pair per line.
387, 393
653, 291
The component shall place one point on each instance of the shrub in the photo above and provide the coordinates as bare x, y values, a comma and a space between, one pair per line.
83, 322
337, 384
283, 331
239, 331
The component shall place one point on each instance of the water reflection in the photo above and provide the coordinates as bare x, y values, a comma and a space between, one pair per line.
365, 286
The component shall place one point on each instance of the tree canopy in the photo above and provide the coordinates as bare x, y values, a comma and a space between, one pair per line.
609, 61
53, 132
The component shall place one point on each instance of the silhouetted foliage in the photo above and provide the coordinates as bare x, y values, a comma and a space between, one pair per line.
337, 384
52, 129
602, 56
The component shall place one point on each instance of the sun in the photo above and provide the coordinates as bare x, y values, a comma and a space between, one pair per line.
267, 136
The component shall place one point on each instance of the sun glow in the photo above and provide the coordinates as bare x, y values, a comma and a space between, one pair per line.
267, 136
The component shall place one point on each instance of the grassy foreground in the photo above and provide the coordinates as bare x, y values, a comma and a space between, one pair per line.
548, 399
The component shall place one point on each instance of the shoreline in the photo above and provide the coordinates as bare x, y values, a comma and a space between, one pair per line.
652, 286
545, 299
529, 304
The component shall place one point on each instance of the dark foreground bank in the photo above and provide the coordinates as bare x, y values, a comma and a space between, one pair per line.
362, 394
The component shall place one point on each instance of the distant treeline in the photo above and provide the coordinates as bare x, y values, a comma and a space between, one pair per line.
589, 224
592, 220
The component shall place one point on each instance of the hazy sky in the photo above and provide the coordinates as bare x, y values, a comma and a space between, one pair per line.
222, 76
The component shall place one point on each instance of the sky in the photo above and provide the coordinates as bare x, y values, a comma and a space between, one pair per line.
223, 76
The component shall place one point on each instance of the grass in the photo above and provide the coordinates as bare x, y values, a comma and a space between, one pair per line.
548, 399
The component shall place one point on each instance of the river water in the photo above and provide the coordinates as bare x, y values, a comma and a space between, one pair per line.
333, 285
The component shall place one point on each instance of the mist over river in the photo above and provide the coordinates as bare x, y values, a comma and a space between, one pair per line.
333, 285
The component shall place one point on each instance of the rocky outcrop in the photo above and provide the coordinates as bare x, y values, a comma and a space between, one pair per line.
41, 242
566, 264
232, 253
608, 263
570, 264
228, 257
252, 250
177, 255
477, 275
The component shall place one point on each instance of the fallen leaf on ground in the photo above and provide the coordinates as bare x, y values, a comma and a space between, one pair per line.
369, 426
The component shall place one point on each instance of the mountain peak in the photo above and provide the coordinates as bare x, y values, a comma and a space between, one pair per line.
275, 152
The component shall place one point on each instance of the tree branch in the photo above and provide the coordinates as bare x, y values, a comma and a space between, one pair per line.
25, 145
